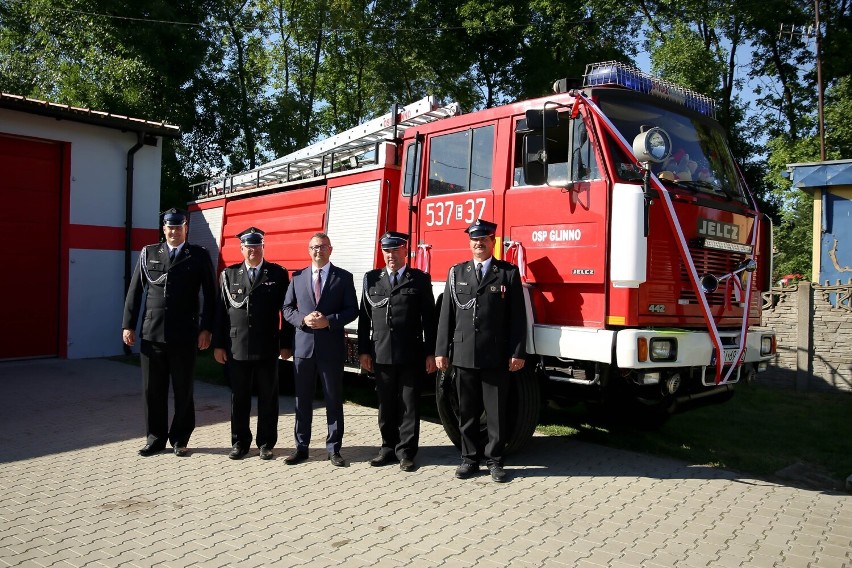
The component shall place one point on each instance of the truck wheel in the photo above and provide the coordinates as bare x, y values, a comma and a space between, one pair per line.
651, 415
522, 412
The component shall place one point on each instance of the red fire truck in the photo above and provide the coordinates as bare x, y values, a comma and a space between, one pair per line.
642, 252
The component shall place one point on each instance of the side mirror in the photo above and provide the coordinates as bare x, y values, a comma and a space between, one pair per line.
535, 159
538, 119
653, 145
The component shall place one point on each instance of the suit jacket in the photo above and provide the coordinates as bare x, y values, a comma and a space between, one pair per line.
170, 291
401, 318
493, 327
338, 303
248, 317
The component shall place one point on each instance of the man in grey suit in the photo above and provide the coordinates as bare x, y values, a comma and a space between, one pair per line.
319, 302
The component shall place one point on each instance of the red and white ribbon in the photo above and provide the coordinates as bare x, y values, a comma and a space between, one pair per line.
517, 255
674, 224
423, 257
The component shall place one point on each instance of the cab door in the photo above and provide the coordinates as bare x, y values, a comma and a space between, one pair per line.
561, 224
458, 190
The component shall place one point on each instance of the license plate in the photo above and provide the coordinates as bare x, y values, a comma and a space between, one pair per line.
730, 356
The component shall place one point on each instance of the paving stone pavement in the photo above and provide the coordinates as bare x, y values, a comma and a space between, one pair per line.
73, 492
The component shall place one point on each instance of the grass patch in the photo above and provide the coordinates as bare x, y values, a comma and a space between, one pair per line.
760, 431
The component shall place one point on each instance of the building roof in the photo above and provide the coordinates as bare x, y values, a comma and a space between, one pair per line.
809, 176
88, 116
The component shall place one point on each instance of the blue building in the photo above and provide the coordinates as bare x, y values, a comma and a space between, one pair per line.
830, 185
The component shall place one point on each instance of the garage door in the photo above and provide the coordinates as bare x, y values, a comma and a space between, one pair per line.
30, 203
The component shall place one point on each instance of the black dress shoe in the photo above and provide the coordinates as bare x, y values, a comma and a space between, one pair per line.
181, 451
296, 457
498, 474
265, 453
336, 459
383, 459
466, 469
406, 464
151, 449
237, 452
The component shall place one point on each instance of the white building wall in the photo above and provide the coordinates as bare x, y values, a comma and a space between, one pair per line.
95, 302
98, 161
97, 186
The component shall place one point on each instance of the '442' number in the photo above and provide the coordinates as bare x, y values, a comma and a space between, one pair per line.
440, 213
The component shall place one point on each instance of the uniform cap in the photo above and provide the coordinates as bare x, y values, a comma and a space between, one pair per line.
174, 217
393, 240
481, 228
251, 236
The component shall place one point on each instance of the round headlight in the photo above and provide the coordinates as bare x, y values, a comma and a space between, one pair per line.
653, 145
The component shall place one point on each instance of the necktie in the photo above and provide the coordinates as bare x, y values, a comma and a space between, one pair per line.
395, 279
478, 272
318, 285
252, 274
172, 255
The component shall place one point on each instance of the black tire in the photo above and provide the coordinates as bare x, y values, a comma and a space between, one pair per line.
749, 375
522, 414
447, 400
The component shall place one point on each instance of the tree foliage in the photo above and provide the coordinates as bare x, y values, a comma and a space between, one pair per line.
249, 80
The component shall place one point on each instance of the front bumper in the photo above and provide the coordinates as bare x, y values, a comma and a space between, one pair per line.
694, 348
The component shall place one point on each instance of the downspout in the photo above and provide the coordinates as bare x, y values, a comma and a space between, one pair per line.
128, 215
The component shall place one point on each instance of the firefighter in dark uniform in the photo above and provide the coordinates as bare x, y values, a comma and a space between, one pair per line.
481, 332
167, 281
396, 341
249, 336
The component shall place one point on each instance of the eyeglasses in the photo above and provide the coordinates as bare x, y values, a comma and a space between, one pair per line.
319, 247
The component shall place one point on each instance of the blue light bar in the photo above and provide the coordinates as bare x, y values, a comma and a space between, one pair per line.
616, 73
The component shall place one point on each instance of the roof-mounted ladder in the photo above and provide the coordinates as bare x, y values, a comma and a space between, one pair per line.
319, 158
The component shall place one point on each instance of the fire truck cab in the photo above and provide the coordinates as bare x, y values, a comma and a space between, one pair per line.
642, 252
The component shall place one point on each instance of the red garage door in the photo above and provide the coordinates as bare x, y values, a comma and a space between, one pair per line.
30, 203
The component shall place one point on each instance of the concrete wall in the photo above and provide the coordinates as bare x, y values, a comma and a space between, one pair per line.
813, 324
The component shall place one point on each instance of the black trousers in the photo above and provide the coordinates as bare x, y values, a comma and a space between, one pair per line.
162, 363
482, 390
264, 374
398, 388
305, 373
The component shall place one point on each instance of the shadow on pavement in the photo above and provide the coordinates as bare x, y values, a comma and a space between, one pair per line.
55, 406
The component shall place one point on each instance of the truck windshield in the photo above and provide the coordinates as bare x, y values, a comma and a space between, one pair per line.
700, 158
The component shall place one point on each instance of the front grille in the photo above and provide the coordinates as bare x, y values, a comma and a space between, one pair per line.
707, 261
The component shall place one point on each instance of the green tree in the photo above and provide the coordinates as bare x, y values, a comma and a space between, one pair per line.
561, 37
117, 56
794, 231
